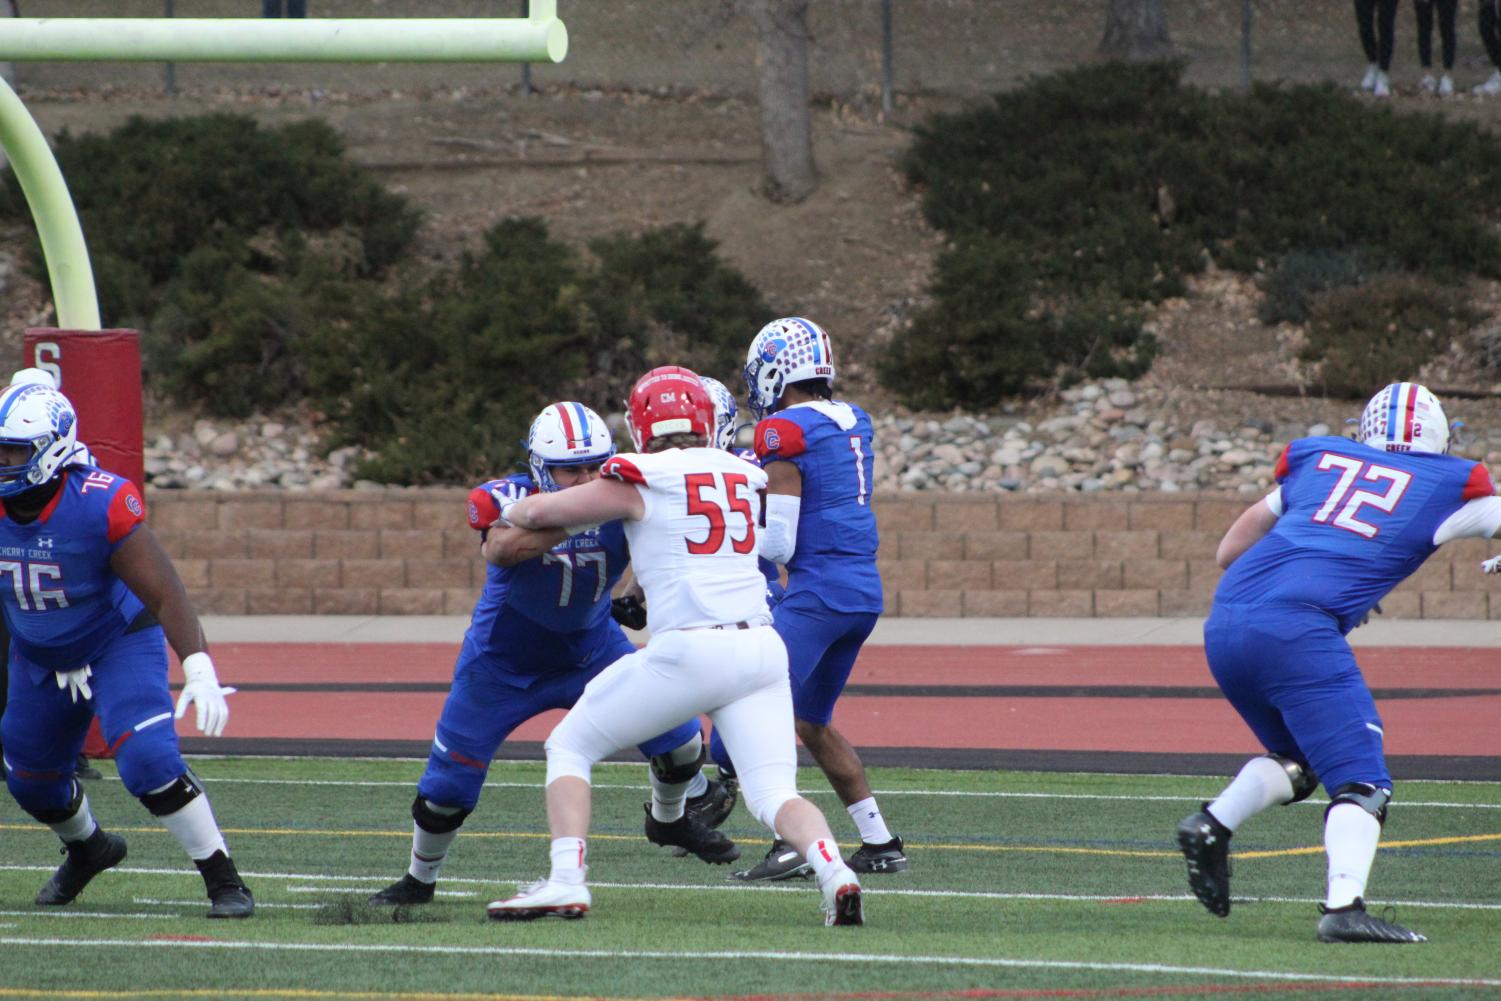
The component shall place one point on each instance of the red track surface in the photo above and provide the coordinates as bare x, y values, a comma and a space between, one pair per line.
1428, 726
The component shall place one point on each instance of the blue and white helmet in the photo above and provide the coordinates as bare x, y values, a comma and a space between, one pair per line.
725, 412
785, 351
39, 418
566, 434
1405, 417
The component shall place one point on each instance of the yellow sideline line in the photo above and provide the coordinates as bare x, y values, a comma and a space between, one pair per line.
1417, 843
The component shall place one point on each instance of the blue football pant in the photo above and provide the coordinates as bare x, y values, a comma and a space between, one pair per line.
1293, 678
43, 730
482, 710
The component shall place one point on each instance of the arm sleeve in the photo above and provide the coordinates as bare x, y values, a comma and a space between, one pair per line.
1274, 501
779, 537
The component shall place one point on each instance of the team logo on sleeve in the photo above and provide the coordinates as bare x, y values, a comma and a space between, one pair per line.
133, 504
772, 439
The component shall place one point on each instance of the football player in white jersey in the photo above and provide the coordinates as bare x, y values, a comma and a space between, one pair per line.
691, 514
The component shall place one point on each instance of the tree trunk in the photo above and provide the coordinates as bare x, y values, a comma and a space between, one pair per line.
786, 122
1135, 29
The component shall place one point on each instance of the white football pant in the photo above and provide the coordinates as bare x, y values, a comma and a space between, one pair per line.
737, 676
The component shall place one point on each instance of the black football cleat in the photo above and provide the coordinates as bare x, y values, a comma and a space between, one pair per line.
228, 895
782, 861
686, 832
1352, 924
884, 858
1206, 848
231, 902
406, 890
716, 804
85, 860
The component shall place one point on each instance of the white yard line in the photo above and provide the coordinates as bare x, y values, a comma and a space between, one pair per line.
153, 902
88, 914
801, 886
694, 956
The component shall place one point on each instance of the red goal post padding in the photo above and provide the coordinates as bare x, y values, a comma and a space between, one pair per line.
100, 372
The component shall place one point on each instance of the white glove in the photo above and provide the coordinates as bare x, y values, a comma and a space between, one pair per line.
202, 689
76, 682
1492, 565
506, 494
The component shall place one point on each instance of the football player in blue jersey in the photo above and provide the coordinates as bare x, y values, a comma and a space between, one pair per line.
91, 599
542, 629
818, 453
1349, 521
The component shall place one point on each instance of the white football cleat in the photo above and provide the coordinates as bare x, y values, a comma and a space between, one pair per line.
545, 898
1383, 86
1368, 82
1446, 86
841, 898
1429, 84
1491, 87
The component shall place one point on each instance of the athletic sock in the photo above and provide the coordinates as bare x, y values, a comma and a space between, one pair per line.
668, 799
1262, 783
1350, 837
429, 851
568, 860
824, 856
698, 785
195, 829
79, 827
867, 817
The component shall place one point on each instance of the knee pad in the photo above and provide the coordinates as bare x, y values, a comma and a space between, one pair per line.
174, 796
435, 819
680, 764
1369, 798
55, 815
1300, 775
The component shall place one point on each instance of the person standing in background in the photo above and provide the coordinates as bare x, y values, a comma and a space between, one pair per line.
1447, 10
1377, 20
1490, 37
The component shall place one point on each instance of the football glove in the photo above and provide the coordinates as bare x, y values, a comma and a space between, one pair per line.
629, 612
76, 682
1492, 565
202, 689
505, 494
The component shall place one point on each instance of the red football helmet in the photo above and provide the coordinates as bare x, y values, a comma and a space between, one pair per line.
668, 400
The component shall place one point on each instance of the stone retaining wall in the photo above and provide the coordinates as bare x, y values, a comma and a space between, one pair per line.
402, 552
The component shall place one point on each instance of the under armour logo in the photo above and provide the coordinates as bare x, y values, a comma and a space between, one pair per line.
45, 542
